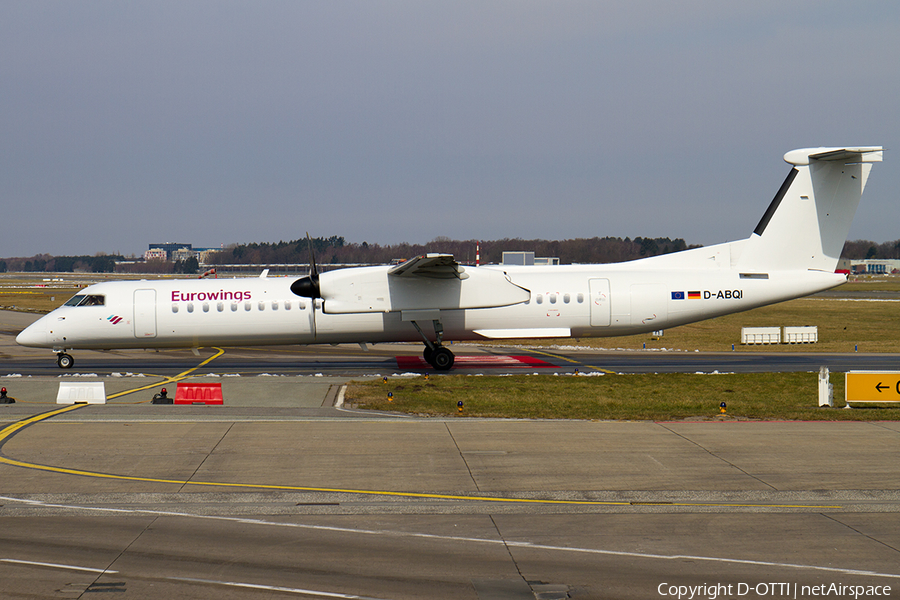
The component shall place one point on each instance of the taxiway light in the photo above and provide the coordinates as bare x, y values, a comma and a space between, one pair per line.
384, 379
459, 406
161, 398
4, 399
722, 408
390, 396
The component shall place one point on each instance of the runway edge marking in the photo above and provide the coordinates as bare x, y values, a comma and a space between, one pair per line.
463, 539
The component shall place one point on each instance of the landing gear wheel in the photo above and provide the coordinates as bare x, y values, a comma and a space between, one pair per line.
427, 355
65, 361
442, 359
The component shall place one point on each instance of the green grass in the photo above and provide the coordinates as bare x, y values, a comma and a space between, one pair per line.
843, 326
657, 397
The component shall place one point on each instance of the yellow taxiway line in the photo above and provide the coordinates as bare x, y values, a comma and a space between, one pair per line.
567, 359
167, 380
11, 430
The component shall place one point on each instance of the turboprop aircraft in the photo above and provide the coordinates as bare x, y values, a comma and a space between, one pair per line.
792, 252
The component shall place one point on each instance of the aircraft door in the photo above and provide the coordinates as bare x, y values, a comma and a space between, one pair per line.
600, 307
144, 314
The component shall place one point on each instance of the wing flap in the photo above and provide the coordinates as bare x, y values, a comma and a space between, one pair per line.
528, 333
437, 266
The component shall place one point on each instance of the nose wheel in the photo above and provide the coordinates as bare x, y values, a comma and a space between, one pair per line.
65, 361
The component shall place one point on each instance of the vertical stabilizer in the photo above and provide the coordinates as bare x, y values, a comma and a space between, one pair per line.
806, 224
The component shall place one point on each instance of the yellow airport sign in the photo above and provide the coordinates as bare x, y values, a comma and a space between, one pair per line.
872, 386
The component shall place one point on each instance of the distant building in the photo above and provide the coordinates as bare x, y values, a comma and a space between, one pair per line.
204, 254
527, 258
518, 258
875, 266
174, 251
170, 247
155, 254
183, 254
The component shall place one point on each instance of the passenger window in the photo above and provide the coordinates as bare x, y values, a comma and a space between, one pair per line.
567, 298
190, 307
247, 306
287, 305
274, 304
261, 305
234, 306
539, 299
220, 307
206, 307
580, 298
552, 298
301, 305
174, 308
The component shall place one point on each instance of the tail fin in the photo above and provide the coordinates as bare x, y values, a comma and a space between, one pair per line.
806, 225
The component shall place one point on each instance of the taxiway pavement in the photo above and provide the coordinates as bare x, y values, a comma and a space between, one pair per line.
256, 501
278, 493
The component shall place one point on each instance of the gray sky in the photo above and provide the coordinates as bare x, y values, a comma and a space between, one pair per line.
126, 123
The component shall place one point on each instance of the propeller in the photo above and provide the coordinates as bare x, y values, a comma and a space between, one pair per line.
308, 286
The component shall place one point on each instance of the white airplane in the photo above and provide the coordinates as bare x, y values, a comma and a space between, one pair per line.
792, 252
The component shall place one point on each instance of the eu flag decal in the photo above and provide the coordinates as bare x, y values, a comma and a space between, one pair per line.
677, 295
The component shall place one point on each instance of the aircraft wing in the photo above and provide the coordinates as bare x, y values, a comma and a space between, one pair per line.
438, 266
428, 282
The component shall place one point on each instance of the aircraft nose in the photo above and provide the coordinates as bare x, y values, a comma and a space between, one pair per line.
34, 335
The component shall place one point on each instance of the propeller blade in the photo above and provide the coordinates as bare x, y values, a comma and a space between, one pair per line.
308, 286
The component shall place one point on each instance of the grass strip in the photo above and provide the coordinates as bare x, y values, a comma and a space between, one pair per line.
656, 397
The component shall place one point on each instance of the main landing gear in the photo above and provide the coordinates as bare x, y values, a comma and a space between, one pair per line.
65, 361
435, 354
439, 357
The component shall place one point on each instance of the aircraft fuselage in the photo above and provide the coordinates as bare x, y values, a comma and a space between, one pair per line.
563, 301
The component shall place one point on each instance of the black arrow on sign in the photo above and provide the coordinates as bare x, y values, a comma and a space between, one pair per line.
880, 387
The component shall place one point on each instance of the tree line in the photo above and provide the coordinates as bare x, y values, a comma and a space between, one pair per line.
863, 249
41, 263
336, 250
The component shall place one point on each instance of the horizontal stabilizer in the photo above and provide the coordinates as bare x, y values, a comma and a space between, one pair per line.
803, 157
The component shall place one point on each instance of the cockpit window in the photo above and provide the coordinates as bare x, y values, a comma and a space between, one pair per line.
87, 300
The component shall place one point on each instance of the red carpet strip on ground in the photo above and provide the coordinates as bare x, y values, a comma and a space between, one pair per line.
488, 361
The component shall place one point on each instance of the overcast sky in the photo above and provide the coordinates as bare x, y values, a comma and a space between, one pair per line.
126, 123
